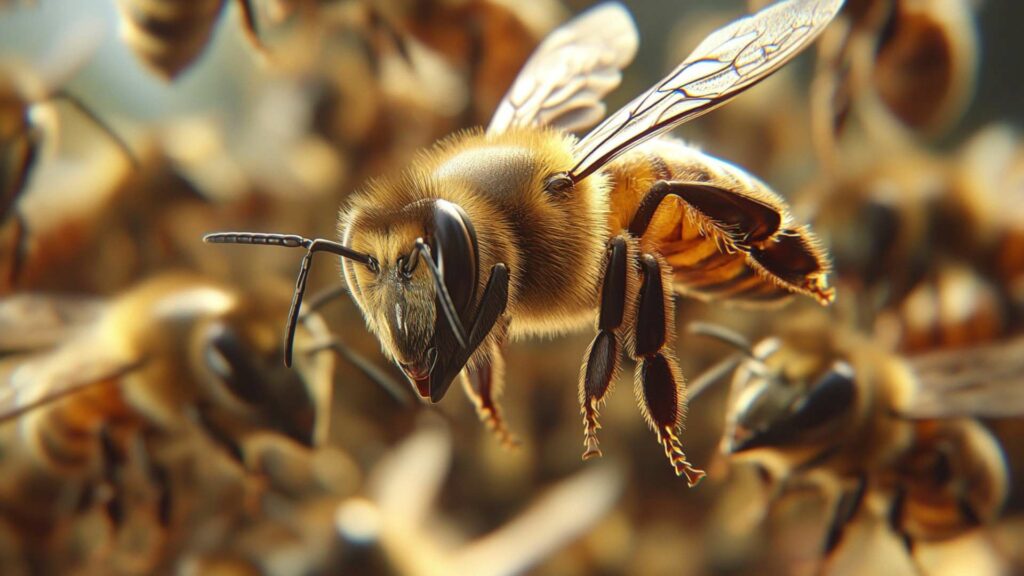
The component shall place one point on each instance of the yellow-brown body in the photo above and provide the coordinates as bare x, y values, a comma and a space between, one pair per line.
170, 35
524, 230
146, 368
554, 244
943, 476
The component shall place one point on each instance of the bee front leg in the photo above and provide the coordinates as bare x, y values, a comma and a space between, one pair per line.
846, 507
659, 383
483, 383
19, 249
618, 289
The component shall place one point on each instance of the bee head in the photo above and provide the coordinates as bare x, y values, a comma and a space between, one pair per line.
420, 301
239, 359
788, 397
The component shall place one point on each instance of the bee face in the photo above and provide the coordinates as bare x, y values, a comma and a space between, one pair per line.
402, 306
239, 359
787, 398
429, 244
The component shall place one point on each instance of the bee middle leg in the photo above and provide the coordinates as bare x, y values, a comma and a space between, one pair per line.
483, 383
618, 291
114, 460
659, 383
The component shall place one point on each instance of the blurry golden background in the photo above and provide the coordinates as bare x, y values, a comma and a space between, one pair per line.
275, 138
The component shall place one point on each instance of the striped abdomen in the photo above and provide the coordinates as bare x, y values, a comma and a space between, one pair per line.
66, 435
168, 35
725, 234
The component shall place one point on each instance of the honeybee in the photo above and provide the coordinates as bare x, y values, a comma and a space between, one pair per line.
484, 40
954, 306
926, 242
523, 230
835, 411
22, 135
176, 354
170, 35
897, 63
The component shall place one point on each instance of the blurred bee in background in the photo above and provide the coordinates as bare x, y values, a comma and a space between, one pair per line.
400, 512
901, 66
487, 41
989, 193
953, 306
566, 226
25, 124
924, 242
177, 354
812, 406
168, 36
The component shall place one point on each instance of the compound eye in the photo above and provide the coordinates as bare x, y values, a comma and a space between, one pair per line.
829, 398
454, 249
558, 184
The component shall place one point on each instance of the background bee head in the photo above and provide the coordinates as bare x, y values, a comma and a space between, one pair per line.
789, 394
419, 302
238, 357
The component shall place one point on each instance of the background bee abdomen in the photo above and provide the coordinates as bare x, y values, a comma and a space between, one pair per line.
65, 435
168, 35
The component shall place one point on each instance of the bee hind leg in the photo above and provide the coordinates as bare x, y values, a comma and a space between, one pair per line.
483, 383
602, 357
659, 383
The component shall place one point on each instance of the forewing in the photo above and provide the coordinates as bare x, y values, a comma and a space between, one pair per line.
726, 63
35, 321
563, 82
985, 381
28, 383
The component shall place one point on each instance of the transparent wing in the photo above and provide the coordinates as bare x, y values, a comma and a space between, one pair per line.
726, 63
33, 321
29, 383
985, 381
563, 82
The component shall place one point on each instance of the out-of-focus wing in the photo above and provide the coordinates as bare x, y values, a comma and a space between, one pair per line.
563, 82
27, 384
984, 381
35, 321
726, 63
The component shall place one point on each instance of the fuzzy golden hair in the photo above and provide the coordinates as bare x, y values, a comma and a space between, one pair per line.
551, 243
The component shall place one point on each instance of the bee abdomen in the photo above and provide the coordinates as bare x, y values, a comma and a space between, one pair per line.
960, 482
724, 233
168, 35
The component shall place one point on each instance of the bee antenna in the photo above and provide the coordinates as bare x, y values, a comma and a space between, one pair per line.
724, 335
372, 371
294, 241
447, 305
710, 376
93, 117
321, 299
